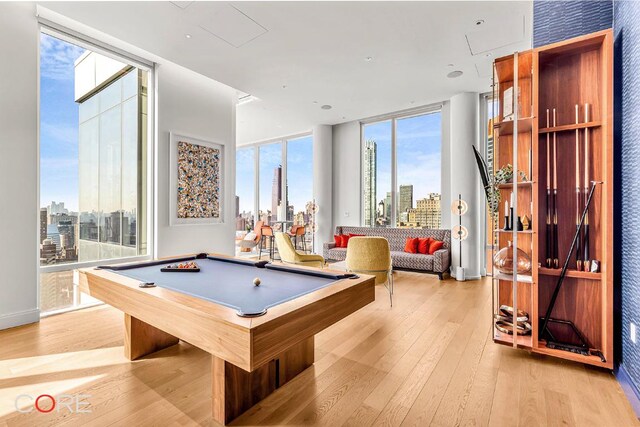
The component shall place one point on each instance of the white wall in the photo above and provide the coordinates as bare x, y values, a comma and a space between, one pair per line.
347, 184
322, 183
19, 39
464, 178
193, 105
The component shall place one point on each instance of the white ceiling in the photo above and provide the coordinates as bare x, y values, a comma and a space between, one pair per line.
297, 56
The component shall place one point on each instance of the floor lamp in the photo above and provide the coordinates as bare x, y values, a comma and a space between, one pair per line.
459, 232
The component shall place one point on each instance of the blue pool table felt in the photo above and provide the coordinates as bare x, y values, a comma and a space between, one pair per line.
231, 284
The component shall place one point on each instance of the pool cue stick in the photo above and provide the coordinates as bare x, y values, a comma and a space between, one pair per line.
548, 228
578, 193
563, 272
586, 261
556, 263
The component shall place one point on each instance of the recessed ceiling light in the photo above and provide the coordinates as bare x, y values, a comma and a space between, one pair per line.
326, 107
315, 102
187, 36
344, 117
449, 65
480, 22
284, 86
454, 74
488, 55
368, 58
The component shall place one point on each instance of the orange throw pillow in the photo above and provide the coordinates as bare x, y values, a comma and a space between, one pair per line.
423, 244
434, 246
345, 240
411, 246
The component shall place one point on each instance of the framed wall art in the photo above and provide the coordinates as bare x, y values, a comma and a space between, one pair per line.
196, 181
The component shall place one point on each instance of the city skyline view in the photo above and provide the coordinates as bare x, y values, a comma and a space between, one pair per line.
89, 160
298, 190
418, 171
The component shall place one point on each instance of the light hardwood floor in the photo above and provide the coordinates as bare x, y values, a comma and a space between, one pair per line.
428, 361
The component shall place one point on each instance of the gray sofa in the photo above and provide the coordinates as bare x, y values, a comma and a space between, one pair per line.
437, 263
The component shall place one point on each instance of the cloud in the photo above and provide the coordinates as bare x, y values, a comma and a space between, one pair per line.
57, 58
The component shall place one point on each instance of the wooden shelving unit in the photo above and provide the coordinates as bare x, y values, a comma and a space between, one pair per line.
561, 75
513, 144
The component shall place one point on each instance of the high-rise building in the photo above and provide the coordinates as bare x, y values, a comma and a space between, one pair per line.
112, 191
405, 200
381, 209
387, 206
48, 251
57, 208
53, 234
370, 182
427, 213
43, 224
276, 192
237, 206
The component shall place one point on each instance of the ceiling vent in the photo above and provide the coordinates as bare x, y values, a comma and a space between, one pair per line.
182, 4
493, 37
232, 26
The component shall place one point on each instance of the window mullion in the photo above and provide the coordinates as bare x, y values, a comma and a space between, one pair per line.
394, 175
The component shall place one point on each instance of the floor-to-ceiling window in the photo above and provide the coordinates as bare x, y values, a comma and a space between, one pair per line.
377, 172
270, 201
245, 188
275, 180
299, 188
402, 153
93, 163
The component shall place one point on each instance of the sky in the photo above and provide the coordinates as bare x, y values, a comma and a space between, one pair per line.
418, 143
299, 173
58, 123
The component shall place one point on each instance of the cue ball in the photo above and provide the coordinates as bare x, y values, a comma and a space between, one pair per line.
256, 281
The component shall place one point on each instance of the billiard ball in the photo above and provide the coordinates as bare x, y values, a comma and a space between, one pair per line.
256, 281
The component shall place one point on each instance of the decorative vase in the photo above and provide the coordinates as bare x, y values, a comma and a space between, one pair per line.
503, 261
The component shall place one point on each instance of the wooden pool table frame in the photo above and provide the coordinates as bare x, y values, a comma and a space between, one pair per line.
251, 357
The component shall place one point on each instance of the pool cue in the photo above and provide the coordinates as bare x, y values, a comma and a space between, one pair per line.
556, 264
586, 264
578, 193
548, 229
554, 296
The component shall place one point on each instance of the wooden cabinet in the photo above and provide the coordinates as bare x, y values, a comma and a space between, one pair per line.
561, 76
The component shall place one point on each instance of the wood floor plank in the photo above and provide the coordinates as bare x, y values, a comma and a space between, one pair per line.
429, 360
467, 344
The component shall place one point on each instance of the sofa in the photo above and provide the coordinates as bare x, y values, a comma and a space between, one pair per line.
438, 263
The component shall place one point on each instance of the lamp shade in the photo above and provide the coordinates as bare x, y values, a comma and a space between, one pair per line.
459, 207
460, 232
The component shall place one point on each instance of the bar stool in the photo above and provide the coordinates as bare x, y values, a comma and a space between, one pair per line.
300, 233
267, 234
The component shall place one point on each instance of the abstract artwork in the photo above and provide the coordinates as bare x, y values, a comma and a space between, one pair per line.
197, 176
198, 181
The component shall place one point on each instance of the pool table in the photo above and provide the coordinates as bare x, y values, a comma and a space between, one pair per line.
259, 336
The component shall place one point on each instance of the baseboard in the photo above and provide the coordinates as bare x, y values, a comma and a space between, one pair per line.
12, 320
629, 388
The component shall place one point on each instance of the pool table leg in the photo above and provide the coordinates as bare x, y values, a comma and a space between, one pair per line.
235, 390
141, 339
